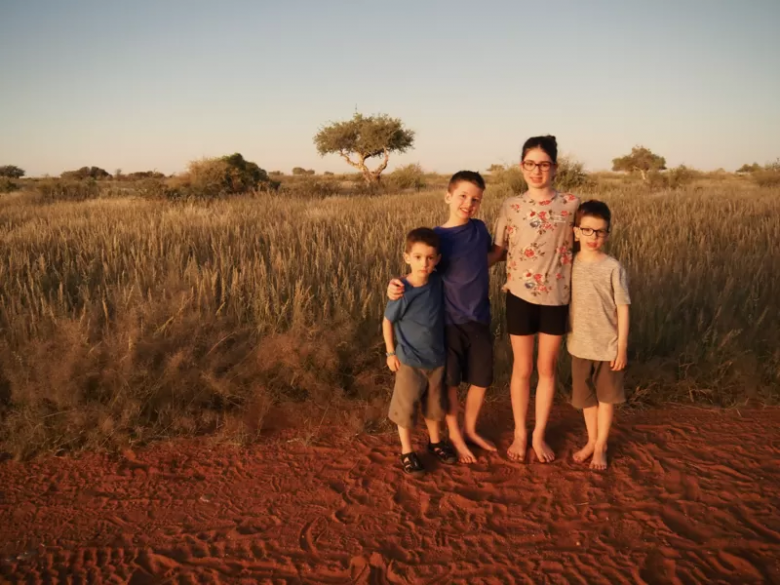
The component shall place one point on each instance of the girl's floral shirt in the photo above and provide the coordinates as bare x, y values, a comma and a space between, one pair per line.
538, 237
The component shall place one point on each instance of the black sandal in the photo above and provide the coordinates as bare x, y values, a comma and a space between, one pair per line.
412, 465
444, 452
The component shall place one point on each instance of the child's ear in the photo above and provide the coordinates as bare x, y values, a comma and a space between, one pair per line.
576, 233
438, 259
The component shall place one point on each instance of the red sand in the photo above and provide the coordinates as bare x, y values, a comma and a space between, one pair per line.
692, 496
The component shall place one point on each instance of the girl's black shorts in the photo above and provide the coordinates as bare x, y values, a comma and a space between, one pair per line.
524, 318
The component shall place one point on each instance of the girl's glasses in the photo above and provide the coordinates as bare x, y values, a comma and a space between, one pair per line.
591, 231
530, 165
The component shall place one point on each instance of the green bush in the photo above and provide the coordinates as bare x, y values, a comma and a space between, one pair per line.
85, 173
510, 178
408, 177
139, 175
7, 185
51, 190
570, 175
11, 172
217, 177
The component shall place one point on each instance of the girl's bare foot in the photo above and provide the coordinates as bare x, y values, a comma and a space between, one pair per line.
542, 450
480, 441
583, 454
517, 449
464, 453
599, 460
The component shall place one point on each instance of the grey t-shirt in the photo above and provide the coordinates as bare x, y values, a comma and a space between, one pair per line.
597, 288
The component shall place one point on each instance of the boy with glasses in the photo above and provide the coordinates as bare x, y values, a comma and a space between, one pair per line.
598, 340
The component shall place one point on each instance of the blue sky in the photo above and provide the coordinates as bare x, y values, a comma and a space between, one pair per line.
154, 84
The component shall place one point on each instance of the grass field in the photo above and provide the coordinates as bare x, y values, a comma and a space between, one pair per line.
127, 320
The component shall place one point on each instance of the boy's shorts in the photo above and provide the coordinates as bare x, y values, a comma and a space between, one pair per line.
413, 386
524, 318
469, 354
595, 382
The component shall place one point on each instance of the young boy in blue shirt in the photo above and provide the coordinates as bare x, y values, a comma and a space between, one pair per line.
465, 260
413, 330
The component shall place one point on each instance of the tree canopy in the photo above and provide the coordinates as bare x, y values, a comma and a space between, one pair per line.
641, 160
11, 172
365, 137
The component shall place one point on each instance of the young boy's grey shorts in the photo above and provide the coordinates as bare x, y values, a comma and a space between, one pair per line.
595, 382
415, 386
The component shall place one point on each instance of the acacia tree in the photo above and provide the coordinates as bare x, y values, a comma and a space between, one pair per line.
362, 138
11, 171
641, 160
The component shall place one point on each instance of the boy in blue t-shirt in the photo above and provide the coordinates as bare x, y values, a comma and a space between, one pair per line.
466, 258
413, 329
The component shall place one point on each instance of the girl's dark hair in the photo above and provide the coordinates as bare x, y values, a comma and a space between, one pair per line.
547, 143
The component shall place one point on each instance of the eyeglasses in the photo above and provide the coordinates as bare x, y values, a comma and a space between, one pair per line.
544, 166
591, 231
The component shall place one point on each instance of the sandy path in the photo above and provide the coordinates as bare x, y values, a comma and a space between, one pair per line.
693, 496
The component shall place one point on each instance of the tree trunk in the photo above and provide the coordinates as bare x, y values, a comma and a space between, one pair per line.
370, 177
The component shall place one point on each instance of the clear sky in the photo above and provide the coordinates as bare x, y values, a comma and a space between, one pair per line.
153, 84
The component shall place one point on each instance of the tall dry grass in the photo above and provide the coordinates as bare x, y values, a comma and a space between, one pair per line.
128, 320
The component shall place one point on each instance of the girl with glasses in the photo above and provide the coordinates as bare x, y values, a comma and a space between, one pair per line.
535, 228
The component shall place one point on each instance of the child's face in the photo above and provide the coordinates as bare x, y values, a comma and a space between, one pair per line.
534, 174
464, 201
592, 233
422, 259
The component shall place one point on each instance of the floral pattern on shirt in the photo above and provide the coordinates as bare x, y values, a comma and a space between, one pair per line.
538, 237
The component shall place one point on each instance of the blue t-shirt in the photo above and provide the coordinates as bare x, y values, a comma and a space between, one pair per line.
418, 324
464, 270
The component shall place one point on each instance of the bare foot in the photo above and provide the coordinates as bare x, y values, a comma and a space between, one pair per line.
464, 453
543, 452
599, 460
584, 454
480, 441
517, 449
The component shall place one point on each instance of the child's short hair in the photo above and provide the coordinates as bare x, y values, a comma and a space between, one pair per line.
422, 235
593, 208
472, 177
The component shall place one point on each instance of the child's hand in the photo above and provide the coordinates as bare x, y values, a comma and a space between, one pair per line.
620, 361
395, 290
393, 363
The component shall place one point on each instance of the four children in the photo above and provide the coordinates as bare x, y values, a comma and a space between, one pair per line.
437, 322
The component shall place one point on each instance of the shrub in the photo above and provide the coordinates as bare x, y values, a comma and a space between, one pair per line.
309, 187
51, 190
7, 185
210, 178
767, 178
511, 178
138, 175
85, 173
299, 171
11, 172
570, 175
408, 177
327, 174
